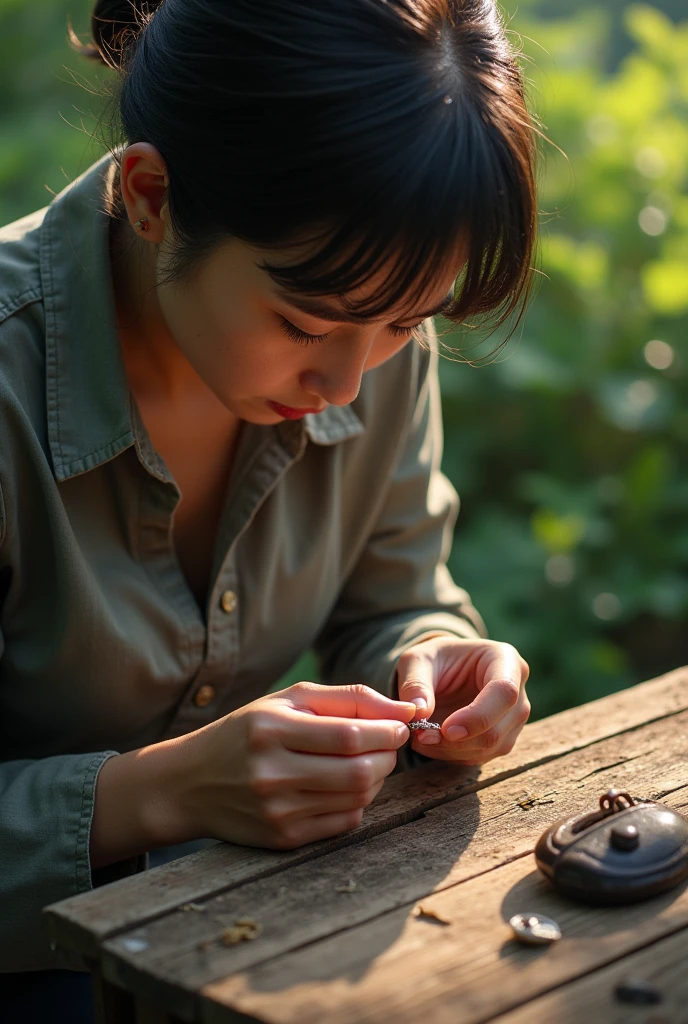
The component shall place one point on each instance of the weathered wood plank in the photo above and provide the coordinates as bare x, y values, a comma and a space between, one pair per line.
407, 969
83, 922
592, 998
454, 842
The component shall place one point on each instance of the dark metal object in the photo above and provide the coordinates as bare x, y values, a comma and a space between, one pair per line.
638, 993
628, 850
423, 724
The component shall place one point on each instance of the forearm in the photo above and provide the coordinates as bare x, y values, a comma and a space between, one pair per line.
137, 806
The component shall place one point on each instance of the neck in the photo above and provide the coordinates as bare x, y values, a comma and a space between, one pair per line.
155, 364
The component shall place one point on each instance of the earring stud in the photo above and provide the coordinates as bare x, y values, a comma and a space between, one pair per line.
142, 224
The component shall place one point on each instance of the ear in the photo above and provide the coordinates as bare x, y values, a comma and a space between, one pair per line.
144, 180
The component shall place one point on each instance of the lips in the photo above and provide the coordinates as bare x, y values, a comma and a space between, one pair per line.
287, 412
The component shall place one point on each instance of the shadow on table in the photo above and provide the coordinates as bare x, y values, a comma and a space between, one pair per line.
375, 882
588, 931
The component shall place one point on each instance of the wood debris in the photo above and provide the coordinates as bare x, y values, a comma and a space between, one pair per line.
350, 886
429, 914
243, 930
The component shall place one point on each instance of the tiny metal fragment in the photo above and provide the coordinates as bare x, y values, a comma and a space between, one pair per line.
430, 914
199, 907
638, 993
423, 723
535, 929
350, 886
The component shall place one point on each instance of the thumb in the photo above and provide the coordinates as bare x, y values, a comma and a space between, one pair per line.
416, 681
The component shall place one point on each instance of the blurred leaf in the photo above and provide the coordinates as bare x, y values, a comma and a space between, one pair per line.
665, 283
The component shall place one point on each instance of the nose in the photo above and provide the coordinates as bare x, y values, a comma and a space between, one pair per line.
337, 380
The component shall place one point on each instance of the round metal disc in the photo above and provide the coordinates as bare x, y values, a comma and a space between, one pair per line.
535, 929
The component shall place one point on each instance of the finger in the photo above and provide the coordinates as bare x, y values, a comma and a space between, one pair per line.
320, 826
494, 743
416, 681
318, 734
500, 689
354, 701
459, 755
339, 774
306, 804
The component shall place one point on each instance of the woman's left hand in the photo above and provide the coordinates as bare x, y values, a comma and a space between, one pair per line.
474, 686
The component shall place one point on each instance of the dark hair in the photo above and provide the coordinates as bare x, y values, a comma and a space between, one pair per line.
384, 132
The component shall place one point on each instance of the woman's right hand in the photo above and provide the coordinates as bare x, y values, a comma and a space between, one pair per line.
291, 767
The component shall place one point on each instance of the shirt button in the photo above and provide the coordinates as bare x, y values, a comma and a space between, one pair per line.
204, 696
228, 601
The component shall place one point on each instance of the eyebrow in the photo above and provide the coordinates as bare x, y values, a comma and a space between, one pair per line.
323, 311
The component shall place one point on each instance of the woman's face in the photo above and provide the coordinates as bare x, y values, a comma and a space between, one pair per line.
268, 355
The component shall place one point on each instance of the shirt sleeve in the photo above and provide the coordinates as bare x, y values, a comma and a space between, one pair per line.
401, 591
46, 808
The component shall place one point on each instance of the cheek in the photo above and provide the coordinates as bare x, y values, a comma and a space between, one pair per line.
384, 347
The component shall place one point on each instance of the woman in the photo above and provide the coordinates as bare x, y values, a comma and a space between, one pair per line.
221, 436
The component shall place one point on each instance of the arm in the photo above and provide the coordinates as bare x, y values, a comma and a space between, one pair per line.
400, 590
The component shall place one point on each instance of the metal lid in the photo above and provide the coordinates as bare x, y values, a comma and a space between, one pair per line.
627, 849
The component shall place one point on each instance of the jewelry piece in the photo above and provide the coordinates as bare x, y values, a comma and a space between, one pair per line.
424, 724
143, 224
535, 929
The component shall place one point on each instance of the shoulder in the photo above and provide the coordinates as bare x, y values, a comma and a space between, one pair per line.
20, 267
22, 343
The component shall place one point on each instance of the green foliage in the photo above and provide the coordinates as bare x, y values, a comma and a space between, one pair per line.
569, 450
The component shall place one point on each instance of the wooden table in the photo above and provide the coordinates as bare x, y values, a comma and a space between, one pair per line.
341, 938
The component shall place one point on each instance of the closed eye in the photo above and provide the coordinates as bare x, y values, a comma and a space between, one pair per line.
300, 337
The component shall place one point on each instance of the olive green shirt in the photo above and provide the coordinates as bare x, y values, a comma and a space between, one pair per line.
334, 534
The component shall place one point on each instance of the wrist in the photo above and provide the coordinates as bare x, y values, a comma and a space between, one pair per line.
138, 805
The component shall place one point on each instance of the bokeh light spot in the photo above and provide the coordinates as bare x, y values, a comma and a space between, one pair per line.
560, 570
650, 162
658, 354
606, 606
652, 220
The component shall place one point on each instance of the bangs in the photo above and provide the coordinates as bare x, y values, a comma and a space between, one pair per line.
469, 201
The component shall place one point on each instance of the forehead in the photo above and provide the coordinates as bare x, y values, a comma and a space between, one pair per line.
419, 300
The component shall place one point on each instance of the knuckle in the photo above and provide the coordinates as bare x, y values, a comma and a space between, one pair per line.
480, 723
361, 690
361, 777
274, 812
490, 739
525, 670
349, 739
509, 690
261, 783
288, 839
525, 713
353, 819
262, 731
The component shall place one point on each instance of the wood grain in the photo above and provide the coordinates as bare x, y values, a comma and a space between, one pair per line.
406, 969
451, 844
592, 998
83, 922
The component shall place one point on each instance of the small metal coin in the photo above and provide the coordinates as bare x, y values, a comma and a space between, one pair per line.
638, 993
424, 724
535, 929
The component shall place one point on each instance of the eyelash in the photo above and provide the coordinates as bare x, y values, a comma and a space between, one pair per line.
301, 338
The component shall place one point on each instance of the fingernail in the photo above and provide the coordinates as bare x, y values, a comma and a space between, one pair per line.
429, 737
456, 732
420, 702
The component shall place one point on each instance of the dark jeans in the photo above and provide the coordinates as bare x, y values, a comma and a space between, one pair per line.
64, 997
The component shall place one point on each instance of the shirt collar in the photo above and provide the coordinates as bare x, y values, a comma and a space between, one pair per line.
88, 397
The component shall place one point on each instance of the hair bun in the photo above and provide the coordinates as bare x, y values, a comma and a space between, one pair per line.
115, 25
